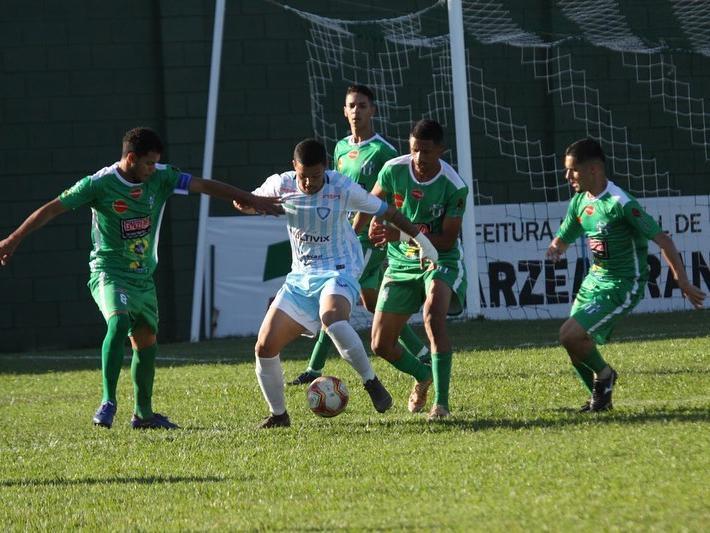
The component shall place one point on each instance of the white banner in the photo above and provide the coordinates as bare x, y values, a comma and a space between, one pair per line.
252, 257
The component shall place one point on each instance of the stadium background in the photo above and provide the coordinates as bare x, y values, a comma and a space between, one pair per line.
77, 74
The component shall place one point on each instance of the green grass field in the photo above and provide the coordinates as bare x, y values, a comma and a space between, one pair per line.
515, 457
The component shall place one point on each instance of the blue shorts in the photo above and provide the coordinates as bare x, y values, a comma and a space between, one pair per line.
300, 296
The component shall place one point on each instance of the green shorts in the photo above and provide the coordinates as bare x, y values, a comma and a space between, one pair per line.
600, 303
404, 288
371, 277
115, 294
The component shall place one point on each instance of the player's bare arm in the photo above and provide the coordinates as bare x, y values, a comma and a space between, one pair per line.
556, 249
670, 254
36, 220
224, 191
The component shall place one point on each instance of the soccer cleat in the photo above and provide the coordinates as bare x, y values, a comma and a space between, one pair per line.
381, 399
275, 421
601, 392
438, 412
425, 358
157, 421
587, 407
417, 399
104, 414
304, 379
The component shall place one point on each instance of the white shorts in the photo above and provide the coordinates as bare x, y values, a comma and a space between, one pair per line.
300, 297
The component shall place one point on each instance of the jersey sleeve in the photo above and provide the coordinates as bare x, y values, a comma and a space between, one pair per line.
384, 180
570, 229
174, 181
81, 193
270, 188
640, 220
360, 200
456, 204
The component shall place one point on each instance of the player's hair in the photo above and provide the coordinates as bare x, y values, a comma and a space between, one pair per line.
585, 150
310, 152
428, 130
361, 89
141, 141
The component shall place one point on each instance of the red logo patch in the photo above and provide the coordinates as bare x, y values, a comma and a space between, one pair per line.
589, 210
635, 212
136, 193
352, 154
417, 194
120, 206
398, 201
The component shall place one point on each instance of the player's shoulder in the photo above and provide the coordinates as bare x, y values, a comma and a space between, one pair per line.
104, 174
618, 195
384, 145
448, 172
336, 179
398, 162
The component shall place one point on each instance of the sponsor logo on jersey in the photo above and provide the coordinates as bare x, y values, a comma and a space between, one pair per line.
417, 194
119, 206
352, 154
340, 163
133, 228
436, 210
398, 201
323, 212
635, 212
589, 210
306, 237
332, 196
599, 248
368, 168
308, 259
136, 193
139, 246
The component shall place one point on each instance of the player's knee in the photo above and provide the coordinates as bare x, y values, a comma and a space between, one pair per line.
264, 349
568, 336
118, 325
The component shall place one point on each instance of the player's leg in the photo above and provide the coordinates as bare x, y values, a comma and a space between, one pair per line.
335, 307
434, 312
112, 301
316, 362
284, 321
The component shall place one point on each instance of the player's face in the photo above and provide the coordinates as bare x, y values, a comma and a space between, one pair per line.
310, 178
581, 176
425, 157
359, 110
141, 168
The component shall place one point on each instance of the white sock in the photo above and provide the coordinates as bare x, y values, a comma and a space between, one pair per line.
350, 348
270, 375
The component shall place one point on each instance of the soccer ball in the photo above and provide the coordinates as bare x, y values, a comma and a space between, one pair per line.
327, 396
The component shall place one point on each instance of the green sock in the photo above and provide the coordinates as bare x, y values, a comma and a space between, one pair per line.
411, 342
585, 374
441, 368
319, 353
595, 361
117, 327
143, 374
412, 366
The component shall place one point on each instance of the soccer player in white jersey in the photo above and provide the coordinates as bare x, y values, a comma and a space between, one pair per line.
127, 200
327, 261
618, 230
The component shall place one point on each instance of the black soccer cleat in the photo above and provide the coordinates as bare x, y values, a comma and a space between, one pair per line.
157, 421
304, 379
601, 393
275, 421
381, 399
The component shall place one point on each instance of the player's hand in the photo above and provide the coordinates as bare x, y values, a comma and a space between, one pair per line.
554, 253
7, 248
380, 234
264, 205
694, 295
428, 254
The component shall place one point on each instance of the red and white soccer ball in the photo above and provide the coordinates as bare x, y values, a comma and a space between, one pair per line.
327, 396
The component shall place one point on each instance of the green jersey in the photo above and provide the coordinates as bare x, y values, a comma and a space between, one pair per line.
618, 230
426, 204
361, 162
125, 223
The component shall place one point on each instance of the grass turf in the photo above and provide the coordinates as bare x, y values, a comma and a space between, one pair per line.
516, 455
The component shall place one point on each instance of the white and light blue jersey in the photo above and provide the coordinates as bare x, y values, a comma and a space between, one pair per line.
322, 239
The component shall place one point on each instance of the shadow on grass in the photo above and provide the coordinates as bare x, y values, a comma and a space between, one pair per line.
572, 418
148, 480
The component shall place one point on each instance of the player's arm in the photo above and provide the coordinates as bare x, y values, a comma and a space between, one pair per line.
670, 254
556, 249
33, 222
570, 230
224, 191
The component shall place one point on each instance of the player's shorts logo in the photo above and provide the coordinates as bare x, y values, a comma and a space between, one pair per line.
136, 193
323, 212
120, 206
417, 194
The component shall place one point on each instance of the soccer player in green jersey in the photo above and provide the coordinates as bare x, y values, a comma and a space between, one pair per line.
360, 156
127, 201
431, 194
618, 230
